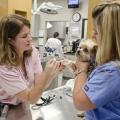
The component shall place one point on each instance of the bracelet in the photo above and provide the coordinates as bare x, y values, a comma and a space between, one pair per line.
79, 72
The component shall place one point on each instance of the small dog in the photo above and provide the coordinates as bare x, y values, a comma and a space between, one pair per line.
86, 52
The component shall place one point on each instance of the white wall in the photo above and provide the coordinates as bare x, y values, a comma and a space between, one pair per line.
57, 27
64, 14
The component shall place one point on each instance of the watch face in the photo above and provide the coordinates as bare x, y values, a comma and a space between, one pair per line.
76, 17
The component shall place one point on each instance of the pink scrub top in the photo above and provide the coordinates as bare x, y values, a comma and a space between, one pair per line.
13, 81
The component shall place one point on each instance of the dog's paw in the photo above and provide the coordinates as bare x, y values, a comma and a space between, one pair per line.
69, 64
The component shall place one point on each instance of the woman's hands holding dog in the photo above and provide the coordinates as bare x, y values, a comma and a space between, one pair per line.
52, 68
81, 65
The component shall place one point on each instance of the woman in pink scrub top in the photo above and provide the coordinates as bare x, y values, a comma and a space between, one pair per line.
22, 80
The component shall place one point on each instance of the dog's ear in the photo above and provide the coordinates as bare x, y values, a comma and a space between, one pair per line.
94, 50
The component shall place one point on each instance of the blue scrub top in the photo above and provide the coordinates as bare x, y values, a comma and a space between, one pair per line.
103, 89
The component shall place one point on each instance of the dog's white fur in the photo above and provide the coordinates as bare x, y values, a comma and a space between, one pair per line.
86, 52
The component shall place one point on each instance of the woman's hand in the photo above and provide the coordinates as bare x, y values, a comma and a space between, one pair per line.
52, 68
68, 63
81, 65
61, 67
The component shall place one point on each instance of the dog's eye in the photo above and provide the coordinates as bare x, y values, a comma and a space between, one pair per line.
85, 50
80, 48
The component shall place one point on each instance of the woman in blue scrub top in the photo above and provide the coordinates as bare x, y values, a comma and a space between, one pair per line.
99, 93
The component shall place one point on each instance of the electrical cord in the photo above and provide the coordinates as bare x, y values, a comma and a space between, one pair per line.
46, 101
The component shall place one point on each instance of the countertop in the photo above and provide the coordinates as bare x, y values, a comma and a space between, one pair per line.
60, 108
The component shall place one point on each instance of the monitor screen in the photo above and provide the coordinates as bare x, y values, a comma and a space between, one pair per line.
73, 3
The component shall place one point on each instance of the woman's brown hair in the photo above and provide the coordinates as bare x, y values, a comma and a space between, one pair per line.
56, 34
10, 26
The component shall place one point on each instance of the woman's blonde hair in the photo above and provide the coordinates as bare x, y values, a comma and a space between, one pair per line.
10, 26
107, 21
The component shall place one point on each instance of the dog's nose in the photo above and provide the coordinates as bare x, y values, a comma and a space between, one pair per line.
79, 49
